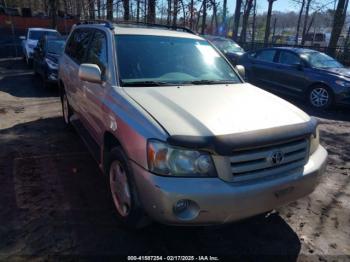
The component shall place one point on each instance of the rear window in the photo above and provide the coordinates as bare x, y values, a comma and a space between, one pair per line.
35, 35
266, 55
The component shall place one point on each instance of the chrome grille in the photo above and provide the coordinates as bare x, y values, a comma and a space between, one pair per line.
266, 161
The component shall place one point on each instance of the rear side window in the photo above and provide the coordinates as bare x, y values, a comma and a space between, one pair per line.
266, 55
78, 44
97, 53
288, 58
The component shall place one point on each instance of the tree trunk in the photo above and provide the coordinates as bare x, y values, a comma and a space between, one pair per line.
183, 12
236, 19
176, 7
53, 13
98, 3
151, 14
191, 13
168, 20
138, 10
92, 10
214, 18
338, 23
204, 17
109, 9
308, 3
254, 23
126, 6
247, 10
268, 21
299, 21
274, 28
224, 14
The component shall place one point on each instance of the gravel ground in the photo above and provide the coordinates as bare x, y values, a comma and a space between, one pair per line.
54, 202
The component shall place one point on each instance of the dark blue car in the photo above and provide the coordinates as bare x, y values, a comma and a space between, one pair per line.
305, 73
45, 58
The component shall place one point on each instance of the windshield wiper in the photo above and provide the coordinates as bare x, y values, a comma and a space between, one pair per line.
145, 83
211, 82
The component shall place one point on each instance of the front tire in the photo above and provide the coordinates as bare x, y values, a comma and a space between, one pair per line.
123, 191
320, 97
66, 110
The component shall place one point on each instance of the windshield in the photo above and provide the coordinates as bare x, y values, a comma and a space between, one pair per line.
227, 46
35, 35
55, 46
160, 60
321, 60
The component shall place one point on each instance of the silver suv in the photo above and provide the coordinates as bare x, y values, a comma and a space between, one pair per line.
180, 136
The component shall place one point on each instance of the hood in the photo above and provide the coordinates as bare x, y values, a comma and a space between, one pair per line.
215, 109
337, 71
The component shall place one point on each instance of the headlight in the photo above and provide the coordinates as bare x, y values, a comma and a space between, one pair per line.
171, 161
314, 141
342, 83
51, 63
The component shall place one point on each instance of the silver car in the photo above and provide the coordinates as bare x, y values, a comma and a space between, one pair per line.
180, 136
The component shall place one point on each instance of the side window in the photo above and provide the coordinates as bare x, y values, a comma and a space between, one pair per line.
288, 58
71, 44
266, 55
97, 53
78, 44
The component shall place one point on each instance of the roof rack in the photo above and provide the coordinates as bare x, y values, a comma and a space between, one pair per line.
106, 23
171, 27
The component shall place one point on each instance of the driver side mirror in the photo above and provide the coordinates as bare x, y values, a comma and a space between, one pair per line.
90, 73
241, 70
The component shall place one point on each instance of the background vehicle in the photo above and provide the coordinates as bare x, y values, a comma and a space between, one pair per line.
300, 72
45, 57
30, 41
181, 138
228, 47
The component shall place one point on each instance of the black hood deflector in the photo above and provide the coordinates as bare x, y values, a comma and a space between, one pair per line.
228, 144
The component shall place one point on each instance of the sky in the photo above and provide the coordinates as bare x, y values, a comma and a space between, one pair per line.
279, 5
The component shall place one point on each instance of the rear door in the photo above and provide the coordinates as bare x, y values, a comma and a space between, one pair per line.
264, 67
290, 73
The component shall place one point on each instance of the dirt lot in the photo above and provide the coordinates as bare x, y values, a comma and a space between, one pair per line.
54, 201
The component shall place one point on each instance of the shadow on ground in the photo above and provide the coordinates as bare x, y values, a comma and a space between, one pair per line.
18, 80
55, 201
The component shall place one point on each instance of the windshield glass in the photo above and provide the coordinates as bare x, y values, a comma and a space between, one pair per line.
321, 60
161, 60
55, 46
35, 35
227, 46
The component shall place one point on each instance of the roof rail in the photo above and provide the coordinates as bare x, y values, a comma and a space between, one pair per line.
171, 27
106, 23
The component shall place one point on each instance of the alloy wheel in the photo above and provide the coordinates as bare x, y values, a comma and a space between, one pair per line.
319, 97
120, 188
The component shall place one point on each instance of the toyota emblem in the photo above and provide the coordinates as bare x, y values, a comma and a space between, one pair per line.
276, 157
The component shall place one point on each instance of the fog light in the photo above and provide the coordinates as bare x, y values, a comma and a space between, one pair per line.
186, 209
181, 205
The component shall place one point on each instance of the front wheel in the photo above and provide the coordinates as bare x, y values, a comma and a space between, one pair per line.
320, 97
123, 191
66, 110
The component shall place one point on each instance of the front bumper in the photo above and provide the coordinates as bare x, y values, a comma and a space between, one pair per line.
214, 201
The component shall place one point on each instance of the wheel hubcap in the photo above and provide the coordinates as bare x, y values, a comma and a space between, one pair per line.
120, 188
65, 109
319, 97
